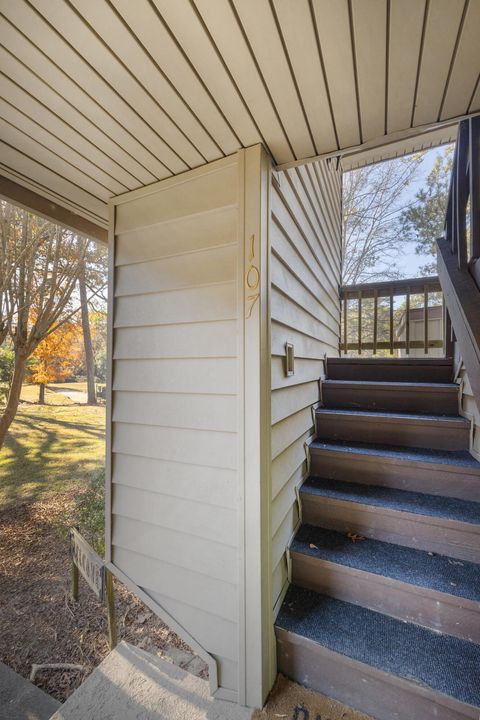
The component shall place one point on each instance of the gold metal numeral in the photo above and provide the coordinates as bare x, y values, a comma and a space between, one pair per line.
252, 278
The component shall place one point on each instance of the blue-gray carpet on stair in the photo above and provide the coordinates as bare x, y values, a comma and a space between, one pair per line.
444, 663
416, 567
393, 499
399, 452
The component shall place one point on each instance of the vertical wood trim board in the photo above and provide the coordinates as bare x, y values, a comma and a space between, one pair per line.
260, 668
306, 255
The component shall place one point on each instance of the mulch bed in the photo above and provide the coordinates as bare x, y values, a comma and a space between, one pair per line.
39, 622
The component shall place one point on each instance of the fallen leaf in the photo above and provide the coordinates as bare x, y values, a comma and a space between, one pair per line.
354, 537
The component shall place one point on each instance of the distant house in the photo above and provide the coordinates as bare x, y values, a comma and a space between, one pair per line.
435, 332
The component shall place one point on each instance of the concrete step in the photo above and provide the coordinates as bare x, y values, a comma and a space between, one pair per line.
376, 663
421, 398
438, 432
22, 700
435, 591
131, 683
437, 524
436, 472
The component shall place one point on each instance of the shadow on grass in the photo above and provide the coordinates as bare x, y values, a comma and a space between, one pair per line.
87, 429
47, 453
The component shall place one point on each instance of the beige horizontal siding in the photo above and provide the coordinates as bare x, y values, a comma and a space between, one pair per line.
206, 339
174, 237
305, 240
177, 583
215, 486
175, 405
175, 307
214, 188
177, 410
175, 547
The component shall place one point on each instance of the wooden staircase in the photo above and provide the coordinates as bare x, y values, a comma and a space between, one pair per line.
383, 612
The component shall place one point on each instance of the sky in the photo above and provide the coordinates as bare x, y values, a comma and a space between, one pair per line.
409, 263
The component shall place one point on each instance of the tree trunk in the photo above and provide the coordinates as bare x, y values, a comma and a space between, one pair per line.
87, 341
13, 397
41, 394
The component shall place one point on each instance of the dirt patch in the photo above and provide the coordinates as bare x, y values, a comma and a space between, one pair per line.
39, 623
294, 702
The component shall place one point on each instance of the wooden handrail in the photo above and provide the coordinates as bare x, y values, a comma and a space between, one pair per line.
390, 289
399, 287
465, 187
458, 252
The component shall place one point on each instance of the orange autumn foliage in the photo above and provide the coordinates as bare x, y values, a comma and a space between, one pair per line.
55, 357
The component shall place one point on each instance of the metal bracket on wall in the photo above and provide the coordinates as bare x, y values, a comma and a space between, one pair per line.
299, 503
306, 446
289, 359
288, 559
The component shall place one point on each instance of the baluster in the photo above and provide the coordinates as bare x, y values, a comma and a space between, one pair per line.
425, 320
375, 320
345, 315
391, 321
407, 324
359, 322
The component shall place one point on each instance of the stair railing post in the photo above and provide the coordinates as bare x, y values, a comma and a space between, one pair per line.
407, 323
425, 320
391, 321
359, 322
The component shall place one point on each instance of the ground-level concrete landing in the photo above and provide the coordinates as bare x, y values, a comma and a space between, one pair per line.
131, 684
21, 700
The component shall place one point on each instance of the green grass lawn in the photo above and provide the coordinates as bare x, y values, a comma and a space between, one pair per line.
51, 448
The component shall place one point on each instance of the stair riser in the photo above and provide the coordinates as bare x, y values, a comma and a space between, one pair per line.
427, 478
391, 400
452, 538
372, 691
392, 432
432, 609
390, 372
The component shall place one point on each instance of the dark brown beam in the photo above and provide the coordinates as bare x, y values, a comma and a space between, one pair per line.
39, 205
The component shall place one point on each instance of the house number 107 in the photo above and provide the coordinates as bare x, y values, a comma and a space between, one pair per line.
252, 278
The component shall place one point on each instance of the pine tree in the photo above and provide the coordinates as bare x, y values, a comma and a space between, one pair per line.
423, 221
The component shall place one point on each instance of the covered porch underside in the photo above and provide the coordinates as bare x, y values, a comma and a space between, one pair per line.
102, 98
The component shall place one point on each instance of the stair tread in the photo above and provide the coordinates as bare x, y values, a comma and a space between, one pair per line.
460, 458
443, 663
408, 565
389, 361
392, 499
392, 384
385, 414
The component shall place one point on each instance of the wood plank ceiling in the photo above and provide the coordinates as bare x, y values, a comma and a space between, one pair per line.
102, 96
